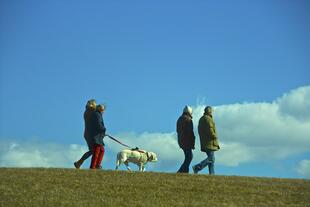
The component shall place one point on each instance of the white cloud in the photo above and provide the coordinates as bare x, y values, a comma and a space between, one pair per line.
296, 104
37, 154
266, 130
304, 168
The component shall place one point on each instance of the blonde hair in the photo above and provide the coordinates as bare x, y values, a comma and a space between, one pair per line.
100, 107
91, 104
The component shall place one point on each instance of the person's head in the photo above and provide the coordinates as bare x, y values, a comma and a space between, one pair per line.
91, 104
208, 110
188, 109
100, 108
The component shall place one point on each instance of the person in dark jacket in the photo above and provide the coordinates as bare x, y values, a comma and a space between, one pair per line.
90, 109
97, 133
186, 137
208, 141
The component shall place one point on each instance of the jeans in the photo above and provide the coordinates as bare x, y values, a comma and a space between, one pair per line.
187, 161
209, 161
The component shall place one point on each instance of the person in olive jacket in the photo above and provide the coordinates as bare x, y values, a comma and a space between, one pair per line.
186, 137
97, 133
208, 141
89, 110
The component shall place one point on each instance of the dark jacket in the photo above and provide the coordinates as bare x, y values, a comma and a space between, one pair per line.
207, 134
87, 115
97, 127
186, 137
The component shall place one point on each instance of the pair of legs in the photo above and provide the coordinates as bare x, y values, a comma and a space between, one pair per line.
86, 155
187, 161
98, 152
209, 161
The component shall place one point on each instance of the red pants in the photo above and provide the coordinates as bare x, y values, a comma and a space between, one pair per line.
98, 152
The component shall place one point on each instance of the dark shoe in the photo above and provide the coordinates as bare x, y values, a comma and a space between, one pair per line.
78, 164
194, 169
99, 167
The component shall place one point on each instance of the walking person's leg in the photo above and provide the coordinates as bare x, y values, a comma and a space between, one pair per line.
100, 157
188, 159
188, 156
94, 160
181, 169
85, 156
211, 162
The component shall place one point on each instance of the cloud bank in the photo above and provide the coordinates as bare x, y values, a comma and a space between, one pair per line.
38, 154
248, 132
304, 168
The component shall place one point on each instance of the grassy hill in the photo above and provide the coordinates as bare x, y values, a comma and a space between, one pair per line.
70, 187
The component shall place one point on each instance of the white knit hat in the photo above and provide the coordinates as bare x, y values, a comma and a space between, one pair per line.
188, 109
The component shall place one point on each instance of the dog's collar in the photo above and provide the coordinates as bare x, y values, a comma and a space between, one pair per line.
148, 157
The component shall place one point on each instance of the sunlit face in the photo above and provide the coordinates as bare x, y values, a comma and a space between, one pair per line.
93, 105
101, 109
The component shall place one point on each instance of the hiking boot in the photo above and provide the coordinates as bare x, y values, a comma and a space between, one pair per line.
78, 164
194, 169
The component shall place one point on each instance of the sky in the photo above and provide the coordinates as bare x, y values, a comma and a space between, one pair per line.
146, 60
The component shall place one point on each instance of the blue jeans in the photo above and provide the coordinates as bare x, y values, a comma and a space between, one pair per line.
209, 161
187, 161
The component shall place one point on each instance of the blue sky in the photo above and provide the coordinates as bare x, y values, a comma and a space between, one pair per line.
145, 60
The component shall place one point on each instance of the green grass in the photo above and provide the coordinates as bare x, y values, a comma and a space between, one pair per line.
70, 187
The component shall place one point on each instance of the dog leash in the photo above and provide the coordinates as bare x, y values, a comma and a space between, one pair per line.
114, 139
117, 141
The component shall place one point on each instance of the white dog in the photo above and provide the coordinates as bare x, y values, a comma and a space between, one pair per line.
139, 157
